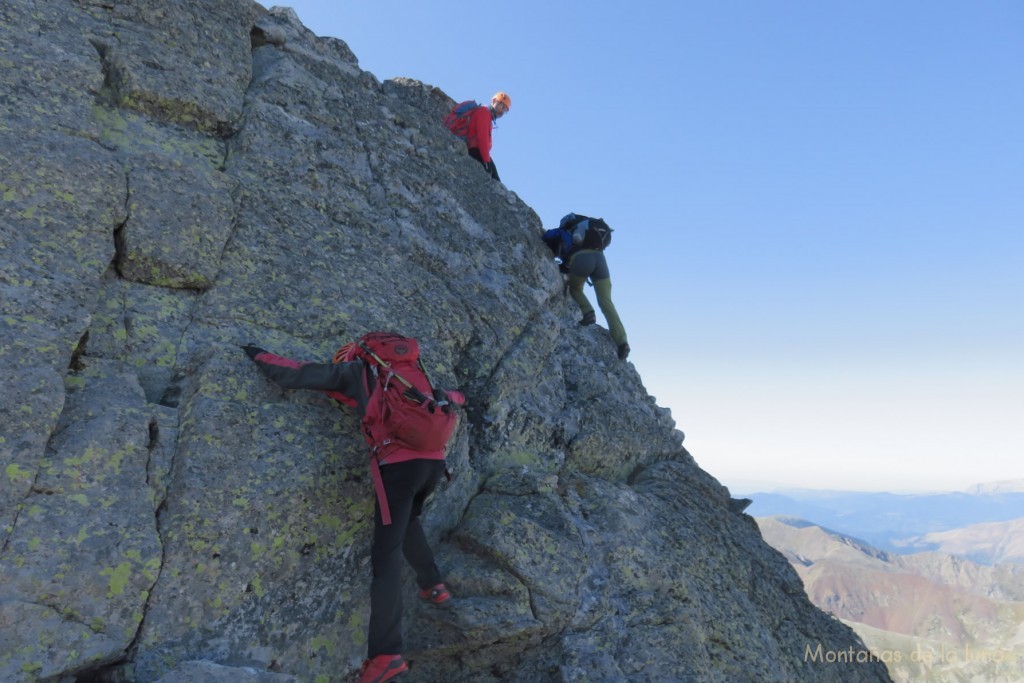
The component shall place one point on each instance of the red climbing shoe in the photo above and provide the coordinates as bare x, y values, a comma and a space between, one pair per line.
435, 595
382, 668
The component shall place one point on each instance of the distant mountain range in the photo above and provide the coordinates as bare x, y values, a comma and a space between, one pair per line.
929, 616
984, 523
987, 543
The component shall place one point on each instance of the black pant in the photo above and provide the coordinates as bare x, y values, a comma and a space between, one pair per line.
407, 485
488, 165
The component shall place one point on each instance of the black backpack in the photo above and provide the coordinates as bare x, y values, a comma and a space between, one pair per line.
589, 233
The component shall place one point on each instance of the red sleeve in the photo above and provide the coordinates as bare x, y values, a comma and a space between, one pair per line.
479, 135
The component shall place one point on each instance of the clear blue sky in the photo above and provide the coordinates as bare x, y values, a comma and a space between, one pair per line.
818, 208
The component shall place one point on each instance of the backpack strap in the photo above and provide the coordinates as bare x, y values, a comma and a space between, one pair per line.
378, 488
375, 383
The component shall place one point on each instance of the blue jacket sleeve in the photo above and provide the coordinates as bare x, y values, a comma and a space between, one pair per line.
562, 238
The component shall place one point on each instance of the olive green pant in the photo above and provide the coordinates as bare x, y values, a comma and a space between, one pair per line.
592, 264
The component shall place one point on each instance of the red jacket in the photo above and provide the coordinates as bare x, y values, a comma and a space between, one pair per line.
341, 381
479, 134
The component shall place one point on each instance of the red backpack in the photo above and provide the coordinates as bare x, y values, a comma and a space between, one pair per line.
457, 120
402, 412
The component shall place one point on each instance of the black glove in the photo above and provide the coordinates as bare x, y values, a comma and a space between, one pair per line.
253, 351
441, 401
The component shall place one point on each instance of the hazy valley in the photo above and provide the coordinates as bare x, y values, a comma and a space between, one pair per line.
934, 601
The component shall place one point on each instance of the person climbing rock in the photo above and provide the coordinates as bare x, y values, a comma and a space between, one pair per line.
473, 123
579, 242
407, 424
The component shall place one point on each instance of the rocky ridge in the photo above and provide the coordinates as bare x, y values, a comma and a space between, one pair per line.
183, 176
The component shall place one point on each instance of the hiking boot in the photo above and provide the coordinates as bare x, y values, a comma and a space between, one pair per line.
623, 350
382, 668
436, 595
589, 318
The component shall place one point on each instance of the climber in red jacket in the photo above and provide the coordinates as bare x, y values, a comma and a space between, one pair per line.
478, 135
408, 450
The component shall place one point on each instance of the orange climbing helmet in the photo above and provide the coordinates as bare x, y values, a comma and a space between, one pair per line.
502, 97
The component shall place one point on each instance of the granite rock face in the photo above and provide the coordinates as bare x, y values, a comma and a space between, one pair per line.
179, 178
